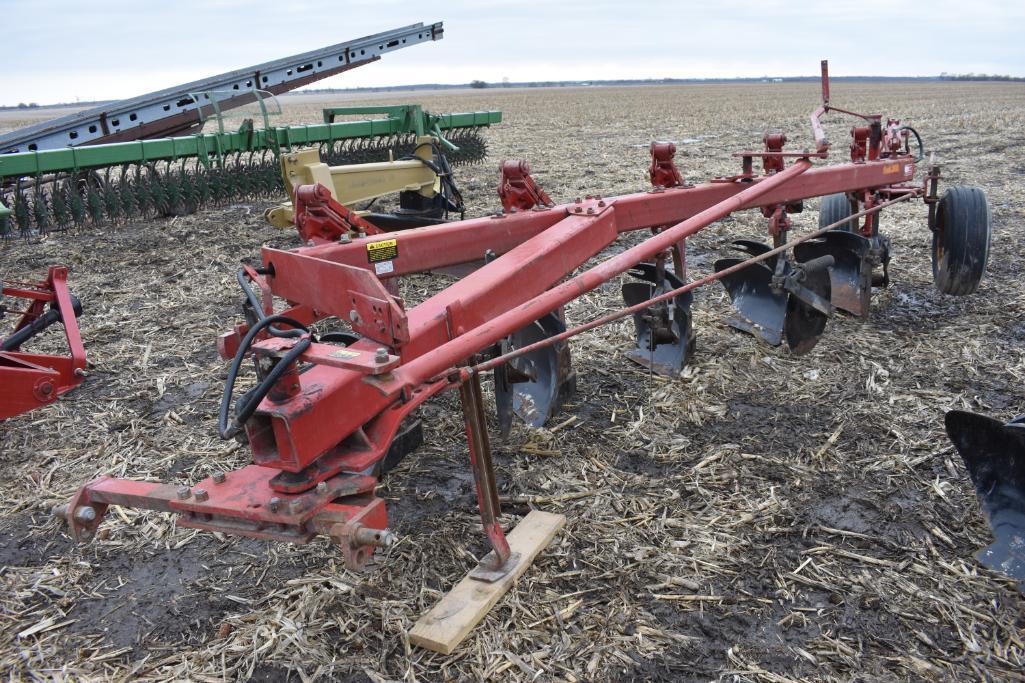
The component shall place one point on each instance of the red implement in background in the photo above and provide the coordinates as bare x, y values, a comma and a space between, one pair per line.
31, 380
329, 413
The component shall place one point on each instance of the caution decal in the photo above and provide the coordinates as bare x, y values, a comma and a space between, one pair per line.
385, 250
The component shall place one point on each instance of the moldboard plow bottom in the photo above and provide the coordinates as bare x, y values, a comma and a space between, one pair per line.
994, 455
327, 408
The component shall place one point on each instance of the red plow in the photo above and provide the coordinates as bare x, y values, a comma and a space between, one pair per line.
31, 380
331, 413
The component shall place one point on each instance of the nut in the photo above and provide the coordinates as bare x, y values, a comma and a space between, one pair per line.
85, 514
274, 504
184, 492
322, 487
202, 496
346, 238
381, 356
218, 477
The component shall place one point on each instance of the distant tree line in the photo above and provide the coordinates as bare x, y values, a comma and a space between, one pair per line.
979, 77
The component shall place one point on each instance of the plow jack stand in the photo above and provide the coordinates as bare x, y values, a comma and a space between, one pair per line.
500, 560
994, 454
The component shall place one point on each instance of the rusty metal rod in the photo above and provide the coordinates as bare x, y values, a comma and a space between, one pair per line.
694, 284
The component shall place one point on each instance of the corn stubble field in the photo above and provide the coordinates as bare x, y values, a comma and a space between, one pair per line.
763, 517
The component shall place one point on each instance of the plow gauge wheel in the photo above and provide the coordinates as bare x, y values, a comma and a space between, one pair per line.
960, 241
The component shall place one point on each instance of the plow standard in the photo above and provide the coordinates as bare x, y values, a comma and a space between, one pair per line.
332, 413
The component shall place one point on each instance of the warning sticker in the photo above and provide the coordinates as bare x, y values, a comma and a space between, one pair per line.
385, 250
384, 267
342, 353
887, 169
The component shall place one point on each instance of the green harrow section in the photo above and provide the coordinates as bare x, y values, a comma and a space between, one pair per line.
57, 189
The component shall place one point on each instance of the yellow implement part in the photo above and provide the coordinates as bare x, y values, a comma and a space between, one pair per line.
350, 185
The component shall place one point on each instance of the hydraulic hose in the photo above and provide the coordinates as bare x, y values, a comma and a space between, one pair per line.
921, 147
229, 430
14, 342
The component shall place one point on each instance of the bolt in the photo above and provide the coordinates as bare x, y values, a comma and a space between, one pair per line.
590, 209
184, 492
362, 234
79, 372
310, 243
368, 536
274, 504
322, 487
601, 203
60, 511
577, 200
218, 477
294, 506
46, 389
353, 315
381, 356
513, 210
85, 514
202, 496
346, 238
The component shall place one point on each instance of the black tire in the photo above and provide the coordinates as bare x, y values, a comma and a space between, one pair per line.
960, 242
836, 207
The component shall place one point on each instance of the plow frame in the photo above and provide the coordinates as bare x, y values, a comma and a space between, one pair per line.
335, 420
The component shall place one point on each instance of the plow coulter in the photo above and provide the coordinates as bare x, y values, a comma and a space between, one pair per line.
330, 413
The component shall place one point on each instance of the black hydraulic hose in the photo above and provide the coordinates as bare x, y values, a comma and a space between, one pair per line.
921, 147
258, 308
228, 431
14, 342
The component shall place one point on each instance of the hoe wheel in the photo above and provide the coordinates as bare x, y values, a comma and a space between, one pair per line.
836, 207
960, 242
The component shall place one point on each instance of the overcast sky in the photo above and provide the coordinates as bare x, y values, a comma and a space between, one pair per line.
60, 50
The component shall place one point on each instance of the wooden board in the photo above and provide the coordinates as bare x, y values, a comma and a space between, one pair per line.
455, 615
